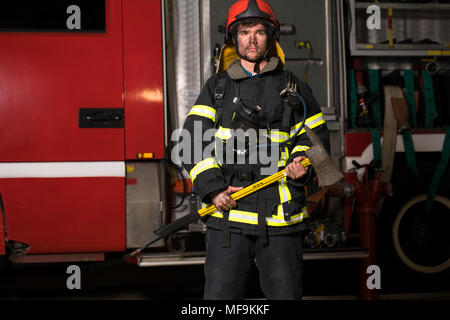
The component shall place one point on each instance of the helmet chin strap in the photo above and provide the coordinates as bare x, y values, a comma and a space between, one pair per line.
256, 68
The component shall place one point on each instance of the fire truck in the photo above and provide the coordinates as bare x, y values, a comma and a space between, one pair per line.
91, 92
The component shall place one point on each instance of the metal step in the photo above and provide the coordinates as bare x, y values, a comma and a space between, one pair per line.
198, 257
333, 254
171, 259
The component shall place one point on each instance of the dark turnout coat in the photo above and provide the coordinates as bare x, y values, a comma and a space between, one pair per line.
281, 206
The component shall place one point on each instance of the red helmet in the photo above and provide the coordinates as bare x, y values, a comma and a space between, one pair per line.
250, 9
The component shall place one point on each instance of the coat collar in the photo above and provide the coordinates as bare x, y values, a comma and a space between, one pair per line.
236, 72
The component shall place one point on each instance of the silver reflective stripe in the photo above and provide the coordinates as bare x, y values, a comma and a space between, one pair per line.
300, 148
294, 219
203, 111
275, 135
62, 169
245, 218
252, 217
311, 122
223, 133
202, 166
285, 194
283, 158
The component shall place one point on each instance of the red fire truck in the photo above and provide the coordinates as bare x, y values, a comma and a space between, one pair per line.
82, 133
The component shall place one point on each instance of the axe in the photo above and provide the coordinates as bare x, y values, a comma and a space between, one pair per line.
318, 157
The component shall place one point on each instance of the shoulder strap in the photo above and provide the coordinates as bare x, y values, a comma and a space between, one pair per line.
288, 82
288, 88
219, 92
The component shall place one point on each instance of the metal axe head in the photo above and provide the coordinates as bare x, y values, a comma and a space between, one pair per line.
327, 172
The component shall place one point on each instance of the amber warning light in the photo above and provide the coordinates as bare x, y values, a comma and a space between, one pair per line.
145, 155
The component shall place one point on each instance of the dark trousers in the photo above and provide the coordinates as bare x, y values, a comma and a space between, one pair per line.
279, 262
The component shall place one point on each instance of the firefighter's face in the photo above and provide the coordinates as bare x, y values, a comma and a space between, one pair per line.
252, 41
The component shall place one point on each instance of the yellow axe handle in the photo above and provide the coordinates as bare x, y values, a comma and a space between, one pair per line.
251, 188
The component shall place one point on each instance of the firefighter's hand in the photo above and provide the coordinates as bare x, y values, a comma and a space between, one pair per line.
295, 169
222, 199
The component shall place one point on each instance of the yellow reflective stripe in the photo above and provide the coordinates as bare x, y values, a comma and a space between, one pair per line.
217, 214
283, 158
311, 122
300, 148
215, 153
273, 135
280, 211
202, 166
283, 190
278, 222
223, 133
203, 111
243, 217
276, 135
237, 215
252, 218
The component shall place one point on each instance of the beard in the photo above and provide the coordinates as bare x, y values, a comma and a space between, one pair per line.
253, 56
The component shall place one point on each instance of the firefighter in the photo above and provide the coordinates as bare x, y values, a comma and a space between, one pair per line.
265, 227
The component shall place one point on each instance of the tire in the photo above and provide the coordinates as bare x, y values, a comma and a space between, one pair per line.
421, 241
